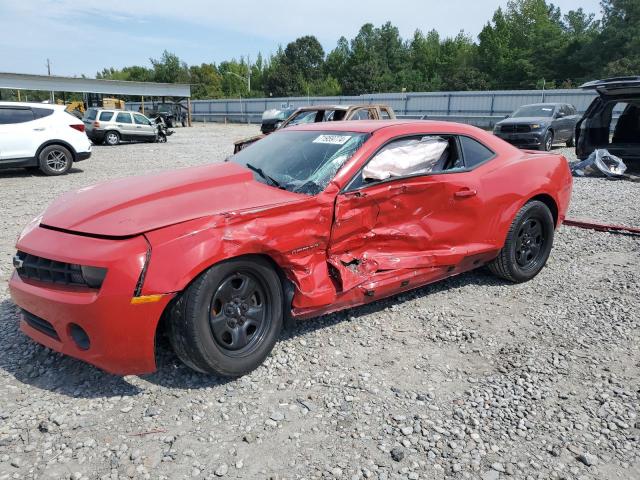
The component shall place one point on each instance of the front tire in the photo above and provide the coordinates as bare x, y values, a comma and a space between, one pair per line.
571, 142
528, 244
547, 142
55, 160
228, 320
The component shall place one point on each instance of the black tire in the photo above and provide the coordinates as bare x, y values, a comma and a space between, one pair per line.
571, 142
112, 138
207, 322
528, 244
55, 160
161, 138
547, 141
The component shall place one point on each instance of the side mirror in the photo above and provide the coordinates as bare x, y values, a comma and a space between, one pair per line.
558, 115
507, 116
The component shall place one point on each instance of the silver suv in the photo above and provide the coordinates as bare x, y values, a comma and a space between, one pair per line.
112, 126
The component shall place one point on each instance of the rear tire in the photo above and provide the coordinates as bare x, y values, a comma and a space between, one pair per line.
228, 320
528, 244
55, 160
112, 138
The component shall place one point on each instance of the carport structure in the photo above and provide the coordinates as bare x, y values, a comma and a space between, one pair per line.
52, 83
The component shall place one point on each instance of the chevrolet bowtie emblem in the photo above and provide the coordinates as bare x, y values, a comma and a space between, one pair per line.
17, 261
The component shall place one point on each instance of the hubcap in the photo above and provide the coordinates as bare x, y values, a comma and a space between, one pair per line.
57, 160
112, 138
238, 312
549, 142
529, 243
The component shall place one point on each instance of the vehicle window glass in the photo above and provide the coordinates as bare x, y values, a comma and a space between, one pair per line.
474, 152
15, 115
140, 119
123, 117
361, 115
105, 116
300, 161
534, 111
41, 112
91, 114
384, 114
303, 117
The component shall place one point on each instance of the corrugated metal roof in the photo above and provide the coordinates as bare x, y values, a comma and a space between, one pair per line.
22, 81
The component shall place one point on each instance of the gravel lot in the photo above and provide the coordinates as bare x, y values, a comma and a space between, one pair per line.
467, 378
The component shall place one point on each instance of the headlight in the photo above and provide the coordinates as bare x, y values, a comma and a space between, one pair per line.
536, 126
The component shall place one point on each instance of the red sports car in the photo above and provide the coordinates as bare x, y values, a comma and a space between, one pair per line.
310, 220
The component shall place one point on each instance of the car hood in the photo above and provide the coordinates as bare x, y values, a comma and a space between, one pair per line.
524, 120
136, 205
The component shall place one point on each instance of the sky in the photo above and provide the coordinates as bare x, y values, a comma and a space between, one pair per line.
84, 36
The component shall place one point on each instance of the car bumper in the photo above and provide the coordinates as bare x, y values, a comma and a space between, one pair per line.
96, 136
121, 335
533, 139
83, 156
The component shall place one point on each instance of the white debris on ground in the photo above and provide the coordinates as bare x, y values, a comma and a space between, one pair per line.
468, 378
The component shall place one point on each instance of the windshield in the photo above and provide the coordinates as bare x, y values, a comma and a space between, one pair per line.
307, 116
534, 111
301, 162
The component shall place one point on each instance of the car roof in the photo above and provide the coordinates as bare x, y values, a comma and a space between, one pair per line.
52, 106
371, 126
340, 107
543, 104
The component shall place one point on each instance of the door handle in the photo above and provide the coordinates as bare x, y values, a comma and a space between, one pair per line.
466, 193
41, 129
138, 127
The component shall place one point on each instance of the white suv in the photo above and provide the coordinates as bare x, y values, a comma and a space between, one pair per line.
41, 136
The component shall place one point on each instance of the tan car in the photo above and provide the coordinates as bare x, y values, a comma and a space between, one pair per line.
326, 113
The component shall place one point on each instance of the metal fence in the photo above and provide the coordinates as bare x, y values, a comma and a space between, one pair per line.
482, 109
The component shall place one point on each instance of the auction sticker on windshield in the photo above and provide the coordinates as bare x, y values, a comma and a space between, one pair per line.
333, 139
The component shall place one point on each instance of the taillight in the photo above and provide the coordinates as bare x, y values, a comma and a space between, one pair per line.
96, 124
78, 126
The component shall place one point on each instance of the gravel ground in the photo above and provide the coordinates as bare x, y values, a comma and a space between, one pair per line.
467, 378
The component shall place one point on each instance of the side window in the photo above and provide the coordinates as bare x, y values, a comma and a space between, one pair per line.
41, 112
140, 119
384, 114
91, 114
15, 115
409, 156
474, 152
123, 117
105, 116
362, 114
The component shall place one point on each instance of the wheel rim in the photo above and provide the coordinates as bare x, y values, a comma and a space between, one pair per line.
112, 138
549, 142
57, 160
162, 139
239, 313
530, 243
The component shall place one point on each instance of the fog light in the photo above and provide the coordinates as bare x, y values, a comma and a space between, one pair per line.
79, 336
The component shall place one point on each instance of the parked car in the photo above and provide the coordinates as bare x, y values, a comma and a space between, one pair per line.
312, 219
113, 126
273, 119
171, 113
539, 125
326, 113
41, 136
598, 128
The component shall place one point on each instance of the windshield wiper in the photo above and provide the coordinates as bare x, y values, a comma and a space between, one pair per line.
268, 178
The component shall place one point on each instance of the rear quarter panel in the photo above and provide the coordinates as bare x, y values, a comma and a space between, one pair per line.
517, 179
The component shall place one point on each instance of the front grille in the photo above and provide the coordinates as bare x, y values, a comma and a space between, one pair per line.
38, 268
515, 128
40, 324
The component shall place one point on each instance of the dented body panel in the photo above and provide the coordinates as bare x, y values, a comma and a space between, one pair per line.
342, 247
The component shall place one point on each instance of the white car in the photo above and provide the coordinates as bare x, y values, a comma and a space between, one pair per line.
41, 136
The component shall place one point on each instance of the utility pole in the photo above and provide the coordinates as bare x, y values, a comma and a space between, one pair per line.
52, 96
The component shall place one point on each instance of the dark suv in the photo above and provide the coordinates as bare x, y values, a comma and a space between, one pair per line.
612, 121
539, 125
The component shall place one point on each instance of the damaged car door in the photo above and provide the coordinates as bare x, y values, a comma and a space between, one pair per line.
409, 215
